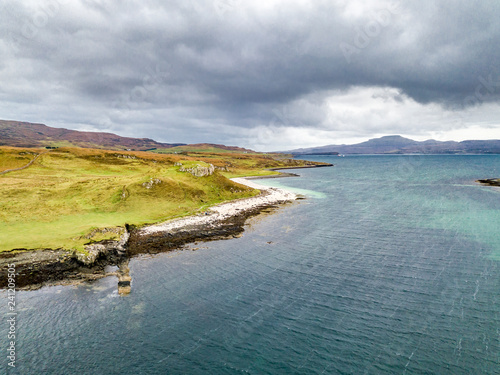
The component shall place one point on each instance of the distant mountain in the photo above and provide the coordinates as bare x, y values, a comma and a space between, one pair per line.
25, 134
395, 144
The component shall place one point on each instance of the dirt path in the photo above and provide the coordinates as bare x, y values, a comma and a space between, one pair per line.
26, 166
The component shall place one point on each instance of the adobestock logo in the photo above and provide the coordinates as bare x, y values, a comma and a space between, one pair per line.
224, 6
372, 29
149, 83
41, 18
486, 88
31, 25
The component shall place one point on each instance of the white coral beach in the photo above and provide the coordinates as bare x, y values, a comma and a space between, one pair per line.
216, 214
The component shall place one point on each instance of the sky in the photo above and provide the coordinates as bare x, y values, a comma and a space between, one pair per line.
267, 75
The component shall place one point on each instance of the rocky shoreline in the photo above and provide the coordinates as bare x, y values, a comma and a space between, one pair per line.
37, 268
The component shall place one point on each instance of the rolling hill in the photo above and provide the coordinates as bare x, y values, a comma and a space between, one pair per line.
26, 134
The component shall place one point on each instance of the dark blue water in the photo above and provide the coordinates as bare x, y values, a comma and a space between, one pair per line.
391, 266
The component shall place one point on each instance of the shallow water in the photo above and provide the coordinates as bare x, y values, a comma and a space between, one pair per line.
390, 267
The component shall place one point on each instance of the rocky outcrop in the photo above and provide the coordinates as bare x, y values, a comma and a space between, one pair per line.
102, 249
125, 156
152, 182
199, 170
35, 268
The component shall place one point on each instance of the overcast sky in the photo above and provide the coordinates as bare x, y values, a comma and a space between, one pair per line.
269, 75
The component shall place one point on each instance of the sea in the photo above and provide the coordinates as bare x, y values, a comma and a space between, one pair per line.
390, 265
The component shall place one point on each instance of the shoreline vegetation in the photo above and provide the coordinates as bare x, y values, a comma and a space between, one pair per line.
200, 197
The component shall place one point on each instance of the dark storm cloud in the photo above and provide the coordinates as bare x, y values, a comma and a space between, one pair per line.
202, 65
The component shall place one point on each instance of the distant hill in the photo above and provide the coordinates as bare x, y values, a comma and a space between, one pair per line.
395, 144
206, 147
25, 134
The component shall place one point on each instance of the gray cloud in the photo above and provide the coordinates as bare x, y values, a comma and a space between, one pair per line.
224, 70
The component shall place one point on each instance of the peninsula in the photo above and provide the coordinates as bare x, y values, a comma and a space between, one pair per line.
69, 212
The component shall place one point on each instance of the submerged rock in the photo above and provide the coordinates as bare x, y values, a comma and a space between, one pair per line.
124, 279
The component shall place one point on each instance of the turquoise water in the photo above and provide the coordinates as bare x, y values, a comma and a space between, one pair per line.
391, 266
273, 182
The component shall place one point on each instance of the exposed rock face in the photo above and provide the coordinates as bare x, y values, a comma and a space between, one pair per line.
126, 156
152, 182
36, 267
199, 170
104, 248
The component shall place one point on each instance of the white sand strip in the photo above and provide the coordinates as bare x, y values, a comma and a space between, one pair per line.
224, 211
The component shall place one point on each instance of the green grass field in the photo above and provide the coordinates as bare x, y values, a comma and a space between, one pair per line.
67, 193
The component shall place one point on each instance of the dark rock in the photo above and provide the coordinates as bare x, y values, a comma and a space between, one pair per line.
490, 181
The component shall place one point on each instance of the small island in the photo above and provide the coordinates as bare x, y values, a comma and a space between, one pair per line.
490, 181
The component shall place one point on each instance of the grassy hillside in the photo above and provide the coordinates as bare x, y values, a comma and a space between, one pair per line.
10, 159
67, 194
203, 148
